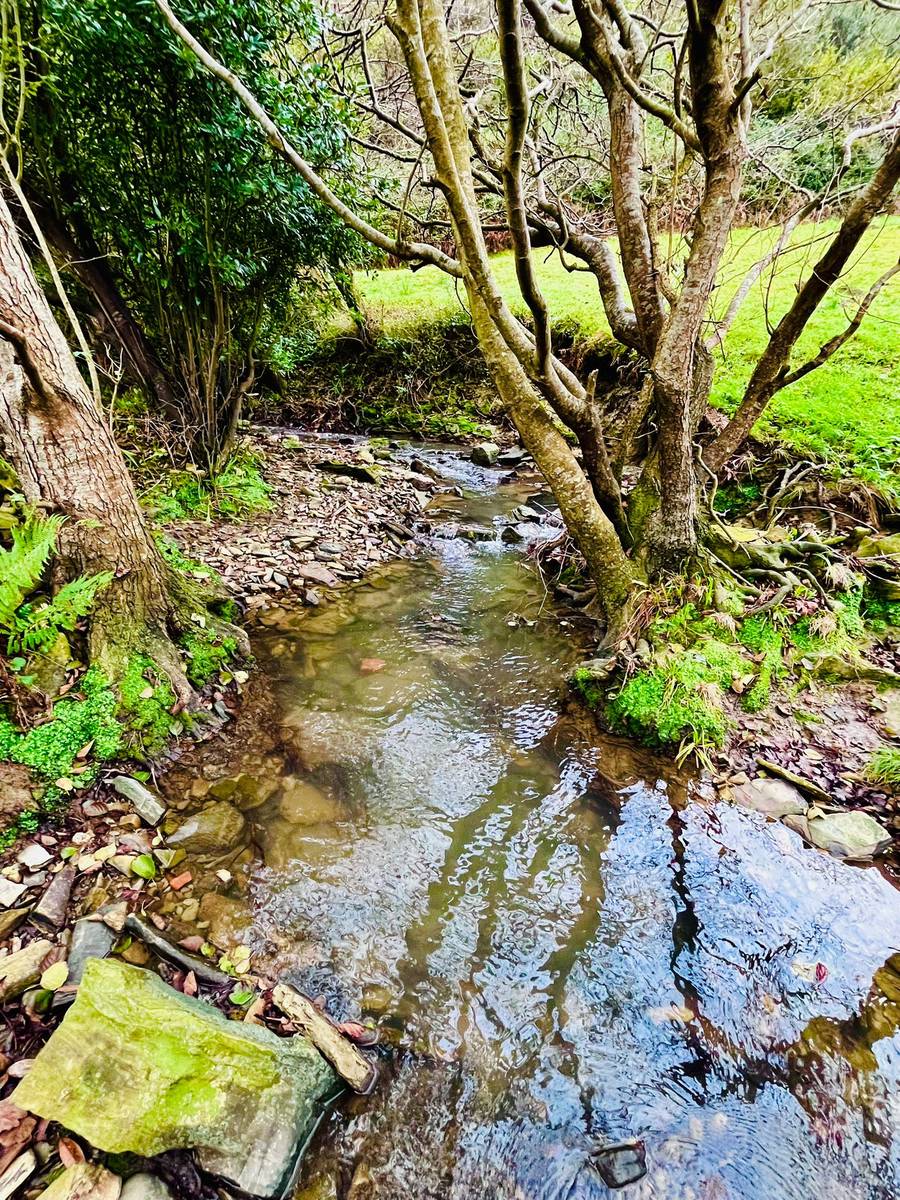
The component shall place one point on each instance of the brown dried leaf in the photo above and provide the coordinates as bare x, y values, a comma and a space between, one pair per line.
70, 1152
17, 1130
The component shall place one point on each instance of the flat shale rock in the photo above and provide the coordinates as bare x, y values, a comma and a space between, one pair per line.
774, 797
137, 1067
849, 834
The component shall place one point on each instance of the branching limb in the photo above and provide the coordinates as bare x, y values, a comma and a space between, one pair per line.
410, 251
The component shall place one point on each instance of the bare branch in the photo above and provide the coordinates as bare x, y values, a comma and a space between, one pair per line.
410, 251
834, 344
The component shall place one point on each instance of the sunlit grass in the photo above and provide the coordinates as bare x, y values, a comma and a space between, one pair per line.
846, 412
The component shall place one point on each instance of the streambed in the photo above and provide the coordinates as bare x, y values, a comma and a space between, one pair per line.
554, 966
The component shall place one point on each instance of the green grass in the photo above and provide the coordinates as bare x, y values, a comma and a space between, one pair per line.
846, 413
884, 767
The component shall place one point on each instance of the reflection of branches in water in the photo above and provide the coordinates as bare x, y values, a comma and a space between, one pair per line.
800, 1067
686, 928
476, 852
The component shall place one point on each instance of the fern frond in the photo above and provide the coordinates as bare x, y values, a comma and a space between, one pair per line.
38, 628
22, 565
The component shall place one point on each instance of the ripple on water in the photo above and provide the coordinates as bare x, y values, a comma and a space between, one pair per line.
558, 973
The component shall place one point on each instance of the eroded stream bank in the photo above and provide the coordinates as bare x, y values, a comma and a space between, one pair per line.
556, 964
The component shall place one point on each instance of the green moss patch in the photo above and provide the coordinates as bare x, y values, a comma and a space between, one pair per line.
237, 490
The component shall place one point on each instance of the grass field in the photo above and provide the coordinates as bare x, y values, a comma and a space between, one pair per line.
846, 412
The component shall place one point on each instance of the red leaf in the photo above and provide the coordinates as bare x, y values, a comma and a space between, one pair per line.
821, 972
189, 987
70, 1153
192, 943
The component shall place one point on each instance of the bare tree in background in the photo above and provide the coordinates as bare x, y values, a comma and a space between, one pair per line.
480, 141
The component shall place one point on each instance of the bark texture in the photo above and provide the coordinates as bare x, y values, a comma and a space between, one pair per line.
68, 462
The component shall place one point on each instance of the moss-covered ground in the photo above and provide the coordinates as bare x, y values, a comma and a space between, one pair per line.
703, 661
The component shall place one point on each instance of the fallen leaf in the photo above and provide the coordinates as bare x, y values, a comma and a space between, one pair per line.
10, 1115
241, 996
177, 882
821, 972
55, 976
16, 1129
85, 749
189, 987
19, 1069
192, 943
70, 1153
144, 867
255, 1011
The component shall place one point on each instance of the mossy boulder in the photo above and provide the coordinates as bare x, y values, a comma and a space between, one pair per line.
137, 1067
882, 545
217, 827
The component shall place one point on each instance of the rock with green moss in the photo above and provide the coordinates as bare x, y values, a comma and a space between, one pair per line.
884, 545
217, 827
136, 1067
849, 834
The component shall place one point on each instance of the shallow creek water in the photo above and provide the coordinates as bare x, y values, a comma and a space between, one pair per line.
554, 971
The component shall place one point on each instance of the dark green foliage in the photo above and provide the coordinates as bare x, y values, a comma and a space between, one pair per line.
431, 382
153, 165
733, 499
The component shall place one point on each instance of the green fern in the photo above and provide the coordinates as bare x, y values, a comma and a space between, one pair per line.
36, 627
22, 566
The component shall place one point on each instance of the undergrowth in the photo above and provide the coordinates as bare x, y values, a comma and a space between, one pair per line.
237, 490
64, 723
430, 382
699, 664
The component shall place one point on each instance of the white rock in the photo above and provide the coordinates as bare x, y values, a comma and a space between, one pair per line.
145, 1187
33, 856
10, 892
774, 797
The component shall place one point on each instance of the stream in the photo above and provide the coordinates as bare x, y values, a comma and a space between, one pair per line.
554, 965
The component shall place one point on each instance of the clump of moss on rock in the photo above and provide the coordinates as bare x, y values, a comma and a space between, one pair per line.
695, 666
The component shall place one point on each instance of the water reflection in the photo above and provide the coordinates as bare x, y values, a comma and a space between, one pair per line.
558, 964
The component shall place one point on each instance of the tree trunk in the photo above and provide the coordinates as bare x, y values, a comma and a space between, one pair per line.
89, 265
608, 565
68, 462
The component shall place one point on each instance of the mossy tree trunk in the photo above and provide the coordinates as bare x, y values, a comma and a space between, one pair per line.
67, 460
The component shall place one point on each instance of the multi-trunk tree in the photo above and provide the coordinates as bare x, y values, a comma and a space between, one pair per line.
685, 81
